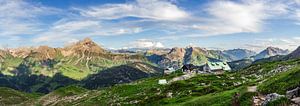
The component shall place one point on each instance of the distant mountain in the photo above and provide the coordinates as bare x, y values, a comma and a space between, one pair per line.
269, 52
43, 68
240, 64
86, 48
177, 57
239, 54
295, 54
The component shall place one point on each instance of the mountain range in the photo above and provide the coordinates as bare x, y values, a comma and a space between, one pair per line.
44, 69
269, 52
85, 73
88, 64
207, 90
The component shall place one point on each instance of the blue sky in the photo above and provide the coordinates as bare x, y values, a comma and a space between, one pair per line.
220, 24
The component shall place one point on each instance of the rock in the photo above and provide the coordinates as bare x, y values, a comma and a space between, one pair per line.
257, 100
296, 101
293, 93
271, 97
169, 94
237, 83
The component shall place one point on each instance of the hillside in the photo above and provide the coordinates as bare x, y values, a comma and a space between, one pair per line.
43, 69
209, 89
12, 97
239, 54
294, 55
86, 74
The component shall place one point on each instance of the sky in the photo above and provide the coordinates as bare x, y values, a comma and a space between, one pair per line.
115, 24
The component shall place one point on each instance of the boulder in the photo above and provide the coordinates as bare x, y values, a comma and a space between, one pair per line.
271, 97
293, 93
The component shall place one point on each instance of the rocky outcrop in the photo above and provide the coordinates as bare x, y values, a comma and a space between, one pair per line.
21, 52
271, 97
293, 93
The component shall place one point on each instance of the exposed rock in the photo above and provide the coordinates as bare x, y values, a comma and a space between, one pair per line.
271, 97
293, 93
296, 101
270, 51
280, 69
21, 52
169, 94
85, 47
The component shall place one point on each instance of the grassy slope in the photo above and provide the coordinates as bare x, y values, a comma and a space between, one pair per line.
148, 92
282, 82
216, 90
214, 99
12, 97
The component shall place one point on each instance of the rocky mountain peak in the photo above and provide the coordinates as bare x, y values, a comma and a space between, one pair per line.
86, 45
21, 51
275, 51
176, 53
271, 51
87, 40
176, 50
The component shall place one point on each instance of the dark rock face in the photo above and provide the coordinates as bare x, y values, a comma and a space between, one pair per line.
293, 93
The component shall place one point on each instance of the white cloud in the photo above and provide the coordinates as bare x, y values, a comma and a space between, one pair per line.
227, 17
67, 30
150, 9
285, 43
145, 43
21, 18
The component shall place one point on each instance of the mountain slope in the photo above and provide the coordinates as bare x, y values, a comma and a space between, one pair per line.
198, 90
121, 74
177, 57
12, 97
239, 54
294, 55
56, 67
270, 51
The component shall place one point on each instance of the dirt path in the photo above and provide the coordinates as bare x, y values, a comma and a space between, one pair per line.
256, 100
252, 89
183, 77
